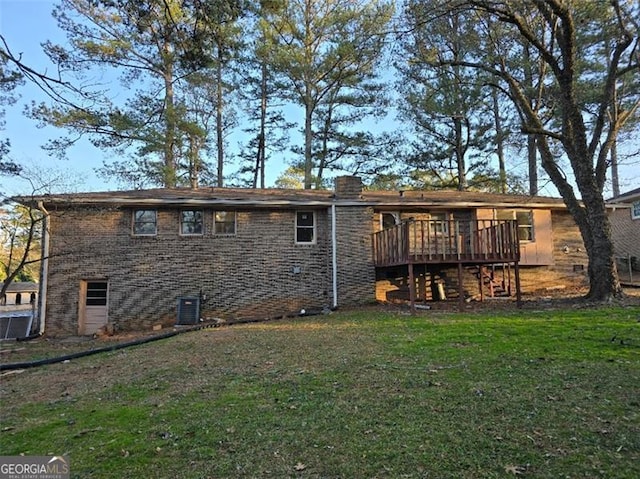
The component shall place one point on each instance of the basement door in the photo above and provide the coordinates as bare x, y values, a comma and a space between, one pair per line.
93, 306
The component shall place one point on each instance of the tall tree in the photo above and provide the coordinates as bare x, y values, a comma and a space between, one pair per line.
328, 50
154, 47
19, 245
446, 102
10, 79
264, 96
561, 34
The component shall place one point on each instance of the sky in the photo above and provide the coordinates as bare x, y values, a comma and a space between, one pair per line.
26, 24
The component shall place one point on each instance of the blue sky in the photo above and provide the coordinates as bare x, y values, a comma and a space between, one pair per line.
26, 24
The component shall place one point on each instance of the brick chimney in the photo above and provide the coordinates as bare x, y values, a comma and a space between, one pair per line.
348, 187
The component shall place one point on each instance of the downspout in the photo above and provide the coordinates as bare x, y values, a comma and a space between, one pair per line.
334, 257
44, 268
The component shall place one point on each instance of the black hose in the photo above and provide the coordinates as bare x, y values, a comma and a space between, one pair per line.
136, 342
114, 347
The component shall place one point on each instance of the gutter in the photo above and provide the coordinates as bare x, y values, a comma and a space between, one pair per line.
44, 269
334, 257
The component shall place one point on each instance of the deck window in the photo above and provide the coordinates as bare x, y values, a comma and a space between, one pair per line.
635, 210
191, 222
305, 227
224, 222
145, 222
390, 219
525, 222
439, 223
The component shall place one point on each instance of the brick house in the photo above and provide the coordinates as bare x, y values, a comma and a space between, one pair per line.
132, 259
624, 214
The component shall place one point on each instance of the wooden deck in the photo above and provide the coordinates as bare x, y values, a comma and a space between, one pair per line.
452, 242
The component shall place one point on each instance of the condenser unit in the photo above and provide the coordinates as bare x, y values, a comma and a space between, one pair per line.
188, 310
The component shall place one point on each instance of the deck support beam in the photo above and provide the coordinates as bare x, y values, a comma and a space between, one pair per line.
460, 288
412, 288
518, 292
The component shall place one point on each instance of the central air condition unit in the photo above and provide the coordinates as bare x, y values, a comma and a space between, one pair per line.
15, 326
188, 310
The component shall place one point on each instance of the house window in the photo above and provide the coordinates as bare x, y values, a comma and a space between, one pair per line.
145, 222
191, 222
635, 210
388, 220
305, 227
439, 223
224, 222
525, 222
96, 293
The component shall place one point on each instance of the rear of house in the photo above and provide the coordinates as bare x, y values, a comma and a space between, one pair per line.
133, 260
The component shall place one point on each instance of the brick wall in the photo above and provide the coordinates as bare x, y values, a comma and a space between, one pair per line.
356, 273
258, 273
625, 233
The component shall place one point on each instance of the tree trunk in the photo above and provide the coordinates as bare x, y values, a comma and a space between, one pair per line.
308, 142
462, 174
169, 167
604, 284
532, 161
615, 178
502, 171
262, 147
219, 125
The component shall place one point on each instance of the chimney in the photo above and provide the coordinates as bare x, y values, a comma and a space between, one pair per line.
348, 187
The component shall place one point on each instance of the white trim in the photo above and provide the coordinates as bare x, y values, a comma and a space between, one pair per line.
635, 210
44, 269
334, 256
314, 228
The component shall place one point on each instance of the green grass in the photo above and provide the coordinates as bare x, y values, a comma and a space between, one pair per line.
356, 394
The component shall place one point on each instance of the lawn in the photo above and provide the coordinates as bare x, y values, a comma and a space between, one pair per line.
356, 394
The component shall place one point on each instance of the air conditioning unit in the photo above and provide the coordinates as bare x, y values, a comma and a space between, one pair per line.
188, 310
16, 325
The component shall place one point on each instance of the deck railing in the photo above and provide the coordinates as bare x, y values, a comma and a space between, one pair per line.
447, 241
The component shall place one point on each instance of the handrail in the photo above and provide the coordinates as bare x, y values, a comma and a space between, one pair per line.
438, 241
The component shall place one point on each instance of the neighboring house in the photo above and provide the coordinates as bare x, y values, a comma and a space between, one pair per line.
19, 295
624, 214
133, 259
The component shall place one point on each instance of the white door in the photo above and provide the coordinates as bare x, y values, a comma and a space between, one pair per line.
93, 306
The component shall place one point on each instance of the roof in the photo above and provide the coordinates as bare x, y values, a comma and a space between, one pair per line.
629, 196
21, 286
275, 197
457, 199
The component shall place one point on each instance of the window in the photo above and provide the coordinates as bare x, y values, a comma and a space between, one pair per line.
635, 210
96, 293
525, 222
145, 222
389, 220
191, 222
439, 223
224, 222
305, 227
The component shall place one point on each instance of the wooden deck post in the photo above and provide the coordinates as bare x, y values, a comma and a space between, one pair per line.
460, 288
518, 293
412, 288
